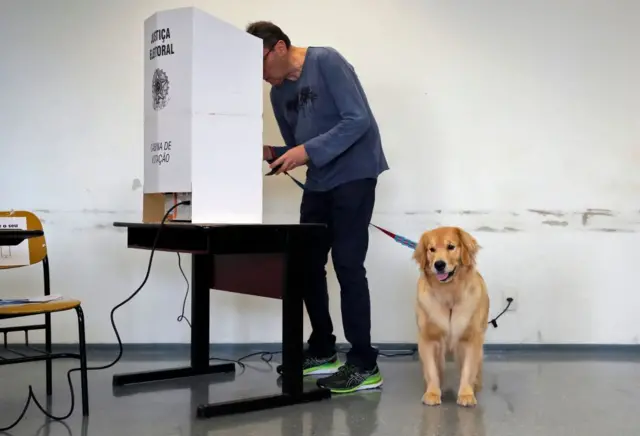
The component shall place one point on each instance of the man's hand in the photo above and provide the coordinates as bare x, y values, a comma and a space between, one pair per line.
293, 158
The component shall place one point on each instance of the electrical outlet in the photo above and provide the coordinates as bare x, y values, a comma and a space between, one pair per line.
510, 293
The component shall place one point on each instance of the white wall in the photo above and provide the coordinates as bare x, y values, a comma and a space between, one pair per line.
512, 119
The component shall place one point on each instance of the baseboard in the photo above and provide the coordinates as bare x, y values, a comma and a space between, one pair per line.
179, 351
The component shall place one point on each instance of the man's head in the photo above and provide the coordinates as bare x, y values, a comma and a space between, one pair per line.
276, 45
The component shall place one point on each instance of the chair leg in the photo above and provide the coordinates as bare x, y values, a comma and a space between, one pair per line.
83, 362
47, 323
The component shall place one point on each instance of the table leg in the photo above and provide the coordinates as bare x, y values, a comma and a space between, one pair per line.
201, 277
293, 390
292, 323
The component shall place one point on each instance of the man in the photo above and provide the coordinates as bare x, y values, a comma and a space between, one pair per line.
326, 123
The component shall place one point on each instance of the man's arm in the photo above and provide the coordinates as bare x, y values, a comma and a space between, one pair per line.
355, 120
285, 131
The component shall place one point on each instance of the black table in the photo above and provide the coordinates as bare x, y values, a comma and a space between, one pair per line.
16, 236
270, 261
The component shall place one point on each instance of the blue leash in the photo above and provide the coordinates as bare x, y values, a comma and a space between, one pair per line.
399, 239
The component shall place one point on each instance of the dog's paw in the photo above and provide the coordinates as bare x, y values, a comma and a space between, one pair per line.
432, 398
467, 398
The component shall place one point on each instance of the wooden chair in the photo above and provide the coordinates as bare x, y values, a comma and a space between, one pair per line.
38, 254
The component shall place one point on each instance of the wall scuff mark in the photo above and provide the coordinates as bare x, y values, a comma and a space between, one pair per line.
555, 223
99, 211
527, 220
586, 216
554, 213
473, 212
494, 230
607, 230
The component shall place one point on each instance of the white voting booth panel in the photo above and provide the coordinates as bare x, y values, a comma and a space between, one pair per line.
202, 119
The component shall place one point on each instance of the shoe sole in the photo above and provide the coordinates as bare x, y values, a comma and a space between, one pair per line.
320, 371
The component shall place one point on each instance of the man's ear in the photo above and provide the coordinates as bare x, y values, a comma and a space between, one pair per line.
420, 253
469, 247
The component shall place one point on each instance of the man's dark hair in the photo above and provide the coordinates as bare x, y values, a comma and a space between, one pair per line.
269, 33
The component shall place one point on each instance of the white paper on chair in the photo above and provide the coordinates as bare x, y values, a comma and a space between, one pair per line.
14, 255
14, 301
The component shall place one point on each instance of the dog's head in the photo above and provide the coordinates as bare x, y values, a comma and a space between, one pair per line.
445, 251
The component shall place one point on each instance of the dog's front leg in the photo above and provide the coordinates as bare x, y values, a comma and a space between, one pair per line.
470, 353
430, 358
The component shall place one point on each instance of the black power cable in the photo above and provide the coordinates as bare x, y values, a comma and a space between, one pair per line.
32, 396
494, 321
182, 316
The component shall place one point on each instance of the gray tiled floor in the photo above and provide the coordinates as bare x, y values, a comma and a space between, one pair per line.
524, 395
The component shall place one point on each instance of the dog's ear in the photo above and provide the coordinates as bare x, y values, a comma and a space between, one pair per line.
469, 247
420, 253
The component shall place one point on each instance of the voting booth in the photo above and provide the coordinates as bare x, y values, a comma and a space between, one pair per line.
202, 119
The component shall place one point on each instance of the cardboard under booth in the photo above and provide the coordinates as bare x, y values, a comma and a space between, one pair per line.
202, 119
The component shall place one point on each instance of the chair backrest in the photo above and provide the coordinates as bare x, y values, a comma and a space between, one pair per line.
37, 247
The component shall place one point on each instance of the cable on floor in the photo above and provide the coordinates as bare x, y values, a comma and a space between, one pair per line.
31, 396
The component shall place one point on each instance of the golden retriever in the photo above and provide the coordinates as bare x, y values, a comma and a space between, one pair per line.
452, 311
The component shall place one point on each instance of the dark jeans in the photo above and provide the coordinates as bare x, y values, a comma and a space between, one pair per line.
347, 211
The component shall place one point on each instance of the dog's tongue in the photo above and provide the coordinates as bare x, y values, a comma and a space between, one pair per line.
442, 276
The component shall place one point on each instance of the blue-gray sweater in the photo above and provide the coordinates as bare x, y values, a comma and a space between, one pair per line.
326, 109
